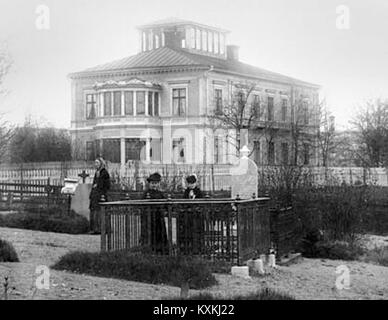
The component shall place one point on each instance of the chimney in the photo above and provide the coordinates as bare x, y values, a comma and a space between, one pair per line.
232, 52
173, 39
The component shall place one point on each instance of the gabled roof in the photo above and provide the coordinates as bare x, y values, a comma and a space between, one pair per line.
168, 57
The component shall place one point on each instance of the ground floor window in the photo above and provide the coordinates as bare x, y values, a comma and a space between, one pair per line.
256, 150
111, 150
90, 151
285, 153
134, 148
271, 153
178, 149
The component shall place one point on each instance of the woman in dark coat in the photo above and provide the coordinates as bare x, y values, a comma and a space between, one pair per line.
157, 226
191, 224
100, 187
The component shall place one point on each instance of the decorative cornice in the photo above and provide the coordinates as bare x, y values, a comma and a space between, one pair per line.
134, 82
135, 72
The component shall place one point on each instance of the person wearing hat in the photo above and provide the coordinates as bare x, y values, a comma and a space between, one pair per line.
192, 191
191, 225
153, 191
158, 241
100, 187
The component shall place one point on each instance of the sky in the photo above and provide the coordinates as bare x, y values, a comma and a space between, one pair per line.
341, 45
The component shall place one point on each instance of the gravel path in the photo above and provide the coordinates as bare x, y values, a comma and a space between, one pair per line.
308, 279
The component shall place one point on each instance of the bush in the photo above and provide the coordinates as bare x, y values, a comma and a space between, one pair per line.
137, 266
51, 220
336, 250
7, 252
262, 294
378, 255
336, 210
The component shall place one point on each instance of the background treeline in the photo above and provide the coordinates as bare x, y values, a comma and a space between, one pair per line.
34, 142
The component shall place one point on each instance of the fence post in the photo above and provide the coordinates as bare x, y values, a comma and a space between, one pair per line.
169, 208
238, 230
103, 228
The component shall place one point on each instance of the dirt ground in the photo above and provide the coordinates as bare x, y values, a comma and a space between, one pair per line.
307, 279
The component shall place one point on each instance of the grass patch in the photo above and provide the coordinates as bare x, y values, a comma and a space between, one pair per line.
378, 255
335, 250
137, 266
7, 252
49, 220
262, 294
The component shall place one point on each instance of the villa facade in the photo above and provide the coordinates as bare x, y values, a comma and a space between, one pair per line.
155, 106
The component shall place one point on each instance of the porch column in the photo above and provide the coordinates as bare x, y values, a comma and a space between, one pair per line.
134, 103
122, 103
148, 148
122, 151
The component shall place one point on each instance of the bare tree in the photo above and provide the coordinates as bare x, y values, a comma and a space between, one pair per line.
236, 114
6, 129
328, 140
371, 125
303, 128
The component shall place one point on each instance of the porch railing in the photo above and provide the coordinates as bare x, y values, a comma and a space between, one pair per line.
218, 229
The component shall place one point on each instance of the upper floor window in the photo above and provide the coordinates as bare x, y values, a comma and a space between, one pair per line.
256, 106
218, 99
179, 101
107, 104
305, 112
270, 109
156, 103
198, 39
156, 41
284, 109
117, 103
140, 103
91, 106
150, 103
128, 103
